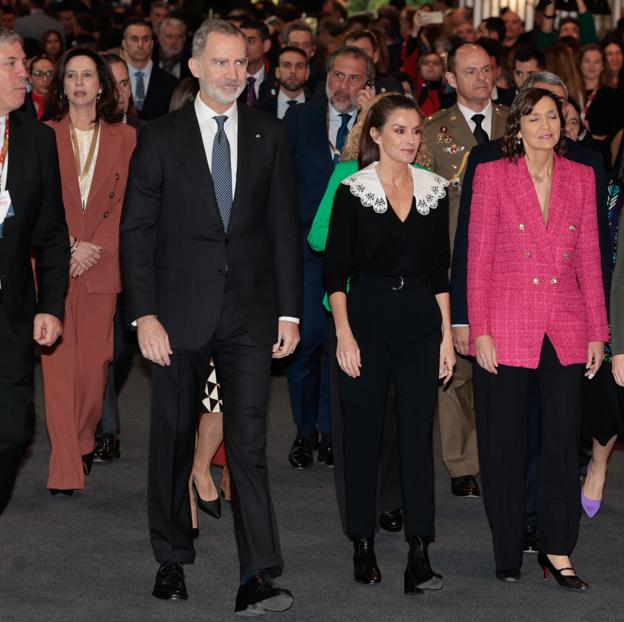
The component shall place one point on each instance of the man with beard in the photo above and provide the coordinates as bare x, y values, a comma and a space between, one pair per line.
291, 73
211, 261
318, 131
172, 55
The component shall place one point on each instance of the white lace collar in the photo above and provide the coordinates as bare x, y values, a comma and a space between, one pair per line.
429, 188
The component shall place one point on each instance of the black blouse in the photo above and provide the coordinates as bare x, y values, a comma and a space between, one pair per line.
361, 240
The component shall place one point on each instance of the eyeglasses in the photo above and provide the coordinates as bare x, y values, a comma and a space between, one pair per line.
39, 73
85, 75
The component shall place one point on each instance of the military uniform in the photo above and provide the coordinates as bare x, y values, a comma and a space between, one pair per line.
449, 140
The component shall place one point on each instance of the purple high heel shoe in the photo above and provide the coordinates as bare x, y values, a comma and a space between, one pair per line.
591, 506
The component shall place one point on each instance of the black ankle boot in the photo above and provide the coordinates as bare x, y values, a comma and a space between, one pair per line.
418, 575
365, 569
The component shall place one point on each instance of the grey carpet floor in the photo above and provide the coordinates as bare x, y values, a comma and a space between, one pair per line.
87, 557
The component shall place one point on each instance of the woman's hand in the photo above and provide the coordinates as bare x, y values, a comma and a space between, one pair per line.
447, 360
348, 355
86, 255
617, 368
486, 353
595, 353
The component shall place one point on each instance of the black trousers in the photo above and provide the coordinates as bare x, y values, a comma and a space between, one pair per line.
17, 410
398, 333
502, 406
244, 369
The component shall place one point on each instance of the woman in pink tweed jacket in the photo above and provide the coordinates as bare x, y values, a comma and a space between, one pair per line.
537, 314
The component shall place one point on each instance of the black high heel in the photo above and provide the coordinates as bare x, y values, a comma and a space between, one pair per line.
87, 462
570, 582
58, 491
195, 532
212, 507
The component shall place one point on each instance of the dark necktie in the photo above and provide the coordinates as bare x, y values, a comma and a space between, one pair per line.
222, 172
343, 130
292, 102
251, 91
479, 133
139, 100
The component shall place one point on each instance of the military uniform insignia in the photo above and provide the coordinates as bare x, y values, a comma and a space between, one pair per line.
454, 149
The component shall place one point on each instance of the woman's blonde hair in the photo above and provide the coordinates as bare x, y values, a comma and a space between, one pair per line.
351, 150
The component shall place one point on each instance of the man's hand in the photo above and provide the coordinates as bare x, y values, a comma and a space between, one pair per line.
85, 256
46, 329
287, 339
153, 340
461, 339
364, 99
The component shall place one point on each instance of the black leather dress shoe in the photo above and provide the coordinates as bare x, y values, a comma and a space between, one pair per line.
365, 568
170, 584
326, 456
391, 521
531, 544
465, 486
58, 491
259, 595
104, 450
509, 576
301, 456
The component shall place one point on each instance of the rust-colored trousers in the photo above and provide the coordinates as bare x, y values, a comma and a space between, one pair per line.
74, 378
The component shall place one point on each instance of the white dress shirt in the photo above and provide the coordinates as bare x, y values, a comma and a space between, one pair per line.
5, 168
335, 121
282, 102
147, 74
486, 124
208, 129
259, 76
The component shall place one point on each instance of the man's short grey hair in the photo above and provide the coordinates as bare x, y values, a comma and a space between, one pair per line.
173, 21
8, 36
213, 25
351, 50
296, 27
547, 78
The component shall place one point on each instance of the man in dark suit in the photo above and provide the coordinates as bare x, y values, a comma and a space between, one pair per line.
152, 87
489, 152
172, 55
287, 89
258, 71
32, 221
211, 261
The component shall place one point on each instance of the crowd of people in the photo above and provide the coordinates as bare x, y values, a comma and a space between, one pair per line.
406, 212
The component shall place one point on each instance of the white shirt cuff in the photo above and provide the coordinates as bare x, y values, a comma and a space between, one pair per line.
459, 325
286, 318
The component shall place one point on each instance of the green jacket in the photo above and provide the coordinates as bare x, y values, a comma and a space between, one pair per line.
317, 238
587, 27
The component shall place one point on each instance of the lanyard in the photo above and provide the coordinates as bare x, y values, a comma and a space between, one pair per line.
590, 99
4, 153
87, 165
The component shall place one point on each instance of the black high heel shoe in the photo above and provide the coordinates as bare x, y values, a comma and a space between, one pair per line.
570, 582
195, 532
212, 507
87, 462
58, 491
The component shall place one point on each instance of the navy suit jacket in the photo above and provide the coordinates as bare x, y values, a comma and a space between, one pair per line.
307, 125
489, 152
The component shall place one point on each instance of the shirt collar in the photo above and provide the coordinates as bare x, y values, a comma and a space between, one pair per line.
205, 113
468, 113
333, 113
259, 75
146, 70
282, 98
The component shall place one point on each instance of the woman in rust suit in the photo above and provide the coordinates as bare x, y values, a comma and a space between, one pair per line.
94, 150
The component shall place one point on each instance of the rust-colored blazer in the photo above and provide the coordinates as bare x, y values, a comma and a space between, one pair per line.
100, 222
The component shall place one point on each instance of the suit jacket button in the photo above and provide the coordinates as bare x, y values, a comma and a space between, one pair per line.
105, 214
116, 176
221, 272
111, 195
535, 281
553, 281
566, 255
527, 253
572, 228
521, 227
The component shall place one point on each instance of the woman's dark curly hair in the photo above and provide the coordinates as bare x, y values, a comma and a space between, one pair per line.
523, 104
106, 106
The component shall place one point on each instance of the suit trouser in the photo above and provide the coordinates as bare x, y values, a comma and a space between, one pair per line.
502, 402
17, 411
244, 369
458, 430
75, 370
398, 333
308, 374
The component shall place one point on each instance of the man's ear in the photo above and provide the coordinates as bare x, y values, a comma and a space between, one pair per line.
193, 66
450, 78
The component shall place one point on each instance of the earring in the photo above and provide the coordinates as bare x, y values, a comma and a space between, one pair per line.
98, 96
519, 140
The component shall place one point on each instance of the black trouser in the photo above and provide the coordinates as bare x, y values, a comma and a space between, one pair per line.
398, 333
244, 369
502, 405
17, 411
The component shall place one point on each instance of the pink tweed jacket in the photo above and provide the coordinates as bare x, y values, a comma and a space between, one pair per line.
526, 279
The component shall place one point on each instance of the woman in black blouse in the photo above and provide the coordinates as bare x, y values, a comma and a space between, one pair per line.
388, 238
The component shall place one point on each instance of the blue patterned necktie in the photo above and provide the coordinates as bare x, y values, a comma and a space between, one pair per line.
139, 100
222, 172
341, 136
